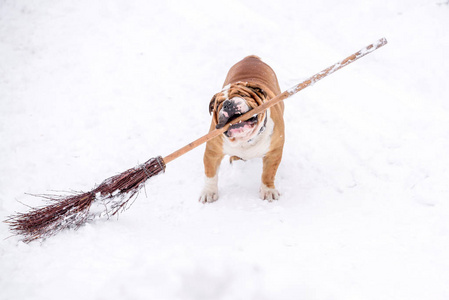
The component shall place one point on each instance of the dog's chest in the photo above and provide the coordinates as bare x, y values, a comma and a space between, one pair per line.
257, 147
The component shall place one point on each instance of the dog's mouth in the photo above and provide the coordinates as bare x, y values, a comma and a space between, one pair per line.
229, 112
241, 128
226, 117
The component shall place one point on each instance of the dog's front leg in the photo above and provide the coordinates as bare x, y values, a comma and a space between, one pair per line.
271, 163
212, 160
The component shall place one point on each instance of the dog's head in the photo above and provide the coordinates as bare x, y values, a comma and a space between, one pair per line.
234, 100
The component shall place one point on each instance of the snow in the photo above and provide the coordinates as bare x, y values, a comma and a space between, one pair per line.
91, 88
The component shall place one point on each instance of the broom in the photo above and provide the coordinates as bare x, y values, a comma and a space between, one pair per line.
114, 194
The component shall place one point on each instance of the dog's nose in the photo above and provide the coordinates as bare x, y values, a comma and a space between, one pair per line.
227, 105
228, 109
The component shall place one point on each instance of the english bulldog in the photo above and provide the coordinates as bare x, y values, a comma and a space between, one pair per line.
249, 83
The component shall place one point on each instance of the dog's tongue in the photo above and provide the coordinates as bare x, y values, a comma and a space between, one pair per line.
238, 129
241, 128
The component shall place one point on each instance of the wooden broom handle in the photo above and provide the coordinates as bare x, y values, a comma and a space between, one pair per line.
290, 92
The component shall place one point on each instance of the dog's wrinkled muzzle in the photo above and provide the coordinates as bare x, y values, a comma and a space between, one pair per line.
230, 110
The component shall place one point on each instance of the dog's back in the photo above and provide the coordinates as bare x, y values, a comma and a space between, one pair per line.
253, 69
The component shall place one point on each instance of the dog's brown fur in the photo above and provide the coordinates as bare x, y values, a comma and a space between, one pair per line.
254, 81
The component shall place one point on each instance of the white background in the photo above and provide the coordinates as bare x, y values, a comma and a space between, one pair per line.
91, 88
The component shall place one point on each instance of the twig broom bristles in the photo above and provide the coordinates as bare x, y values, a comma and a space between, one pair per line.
114, 194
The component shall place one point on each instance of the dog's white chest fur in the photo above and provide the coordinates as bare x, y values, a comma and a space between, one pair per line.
256, 147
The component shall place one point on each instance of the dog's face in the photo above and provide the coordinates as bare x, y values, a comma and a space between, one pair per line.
235, 100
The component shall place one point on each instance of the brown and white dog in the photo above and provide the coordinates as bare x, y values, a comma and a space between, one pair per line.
248, 84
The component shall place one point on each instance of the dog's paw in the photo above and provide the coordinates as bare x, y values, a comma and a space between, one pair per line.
208, 197
210, 190
268, 194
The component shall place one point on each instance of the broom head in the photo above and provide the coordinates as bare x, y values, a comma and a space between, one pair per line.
112, 196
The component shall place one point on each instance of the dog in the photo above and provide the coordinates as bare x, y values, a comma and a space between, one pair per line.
248, 84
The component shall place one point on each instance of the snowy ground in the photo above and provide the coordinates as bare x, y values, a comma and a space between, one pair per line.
91, 88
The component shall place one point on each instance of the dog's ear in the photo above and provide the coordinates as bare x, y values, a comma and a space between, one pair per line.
212, 104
